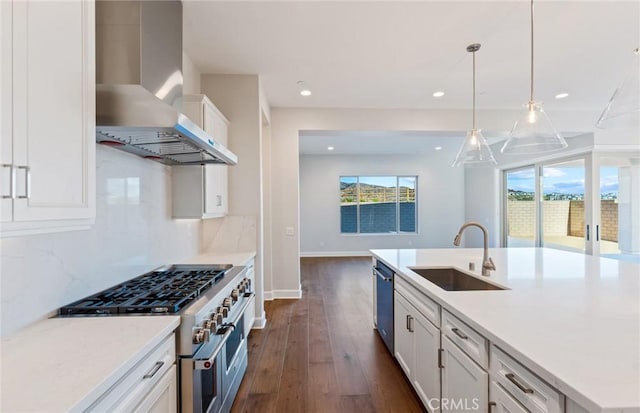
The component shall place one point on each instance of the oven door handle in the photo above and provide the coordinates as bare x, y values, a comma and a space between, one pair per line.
205, 363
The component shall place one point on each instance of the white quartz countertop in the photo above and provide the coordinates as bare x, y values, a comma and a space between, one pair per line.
572, 319
234, 258
65, 364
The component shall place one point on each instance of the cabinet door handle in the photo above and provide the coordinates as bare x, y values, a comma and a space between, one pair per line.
587, 232
218, 200
27, 182
12, 181
459, 333
154, 370
440, 351
512, 378
597, 232
409, 323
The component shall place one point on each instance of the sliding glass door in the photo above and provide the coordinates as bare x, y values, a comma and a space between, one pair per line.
617, 229
563, 205
521, 213
587, 204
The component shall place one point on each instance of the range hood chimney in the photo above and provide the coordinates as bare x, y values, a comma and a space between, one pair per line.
139, 85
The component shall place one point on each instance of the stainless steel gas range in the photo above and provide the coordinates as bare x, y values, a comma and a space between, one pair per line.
211, 341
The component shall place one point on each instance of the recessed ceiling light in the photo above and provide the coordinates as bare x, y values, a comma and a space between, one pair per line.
304, 89
330, 148
561, 95
438, 148
438, 94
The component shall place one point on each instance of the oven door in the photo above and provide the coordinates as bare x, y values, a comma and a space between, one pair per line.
212, 376
201, 388
234, 364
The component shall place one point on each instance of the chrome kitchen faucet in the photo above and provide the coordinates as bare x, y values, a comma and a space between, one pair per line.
487, 262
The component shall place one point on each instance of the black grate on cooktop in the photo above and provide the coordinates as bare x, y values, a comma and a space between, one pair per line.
157, 292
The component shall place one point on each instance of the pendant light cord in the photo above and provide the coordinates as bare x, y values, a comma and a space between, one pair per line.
474, 90
531, 100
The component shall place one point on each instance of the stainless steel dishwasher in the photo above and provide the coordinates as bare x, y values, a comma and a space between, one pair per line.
384, 303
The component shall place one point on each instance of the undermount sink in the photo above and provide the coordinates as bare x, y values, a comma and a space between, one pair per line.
451, 279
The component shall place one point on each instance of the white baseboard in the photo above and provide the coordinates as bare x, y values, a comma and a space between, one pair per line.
283, 294
309, 254
260, 322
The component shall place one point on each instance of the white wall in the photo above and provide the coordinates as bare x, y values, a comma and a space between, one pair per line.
287, 123
191, 76
268, 208
440, 202
482, 204
238, 98
133, 233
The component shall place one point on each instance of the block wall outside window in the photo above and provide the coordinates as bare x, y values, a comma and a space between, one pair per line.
378, 204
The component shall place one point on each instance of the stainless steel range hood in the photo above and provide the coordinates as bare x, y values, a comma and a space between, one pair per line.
139, 85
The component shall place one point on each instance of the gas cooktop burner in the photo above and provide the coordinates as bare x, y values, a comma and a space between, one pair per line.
164, 291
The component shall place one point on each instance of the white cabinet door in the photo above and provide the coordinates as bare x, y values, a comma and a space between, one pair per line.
215, 181
250, 312
464, 384
215, 124
416, 345
201, 192
54, 109
162, 398
426, 378
504, 403
404, 342
6, 108
48, 116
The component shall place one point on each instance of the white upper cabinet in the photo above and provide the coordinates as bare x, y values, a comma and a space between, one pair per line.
201, 192
48, 116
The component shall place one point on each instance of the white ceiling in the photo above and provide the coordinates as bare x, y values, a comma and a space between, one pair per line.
378, 142
393, 54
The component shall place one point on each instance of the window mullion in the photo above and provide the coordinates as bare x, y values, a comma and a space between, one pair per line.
397, 204
357, 205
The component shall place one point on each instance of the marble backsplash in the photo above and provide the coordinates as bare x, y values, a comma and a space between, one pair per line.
229, 234
133, 233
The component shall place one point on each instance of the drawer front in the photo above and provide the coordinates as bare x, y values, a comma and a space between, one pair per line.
421, 302
524, 386
469, 340
163, 396
502, 401
137, 383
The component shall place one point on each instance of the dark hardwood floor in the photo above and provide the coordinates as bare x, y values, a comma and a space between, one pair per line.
321, 353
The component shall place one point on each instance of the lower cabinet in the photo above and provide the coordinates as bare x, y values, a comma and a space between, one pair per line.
416, 346
150, 386
523, 386
502, 402
162, 397
464, 383
250, 312
454, 368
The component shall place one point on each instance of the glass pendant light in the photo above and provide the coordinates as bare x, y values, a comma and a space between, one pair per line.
623, 109
474, 151
533, 132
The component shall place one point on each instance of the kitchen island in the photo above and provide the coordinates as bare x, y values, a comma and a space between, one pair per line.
572, 319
